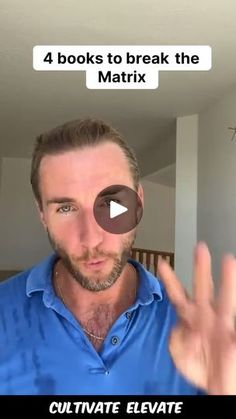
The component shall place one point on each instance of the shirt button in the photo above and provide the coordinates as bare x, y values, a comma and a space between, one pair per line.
114, 340
128, 315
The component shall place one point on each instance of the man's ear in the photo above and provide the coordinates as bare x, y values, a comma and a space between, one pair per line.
41, 215
141, 193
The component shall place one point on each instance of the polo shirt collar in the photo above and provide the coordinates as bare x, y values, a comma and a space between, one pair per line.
149, 285
40, 276
39, 279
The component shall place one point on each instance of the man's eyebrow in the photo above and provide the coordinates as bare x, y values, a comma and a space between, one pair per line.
65, 199
60, 200
111, 191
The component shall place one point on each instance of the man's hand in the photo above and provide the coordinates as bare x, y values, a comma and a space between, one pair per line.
203, 345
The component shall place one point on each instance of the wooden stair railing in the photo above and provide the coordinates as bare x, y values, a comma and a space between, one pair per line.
149, 258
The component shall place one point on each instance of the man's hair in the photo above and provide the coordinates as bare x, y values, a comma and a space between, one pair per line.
78, 134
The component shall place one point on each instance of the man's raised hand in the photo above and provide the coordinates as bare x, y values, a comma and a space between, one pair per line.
203, 344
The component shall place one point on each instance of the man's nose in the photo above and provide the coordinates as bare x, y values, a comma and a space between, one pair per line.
91, 234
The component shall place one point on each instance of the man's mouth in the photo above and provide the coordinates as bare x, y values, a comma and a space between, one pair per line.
94, 263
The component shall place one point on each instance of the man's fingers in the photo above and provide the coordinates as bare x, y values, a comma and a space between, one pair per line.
174, 288
203, 288
227, 292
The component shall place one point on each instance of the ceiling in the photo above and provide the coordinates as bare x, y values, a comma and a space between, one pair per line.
165, 176
32, 101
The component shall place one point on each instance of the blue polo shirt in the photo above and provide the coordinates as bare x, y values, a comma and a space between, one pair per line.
43, 349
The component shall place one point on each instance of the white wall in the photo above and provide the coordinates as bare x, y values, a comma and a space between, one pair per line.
157, 227
217, 179
159, 155
22, 239
186, 196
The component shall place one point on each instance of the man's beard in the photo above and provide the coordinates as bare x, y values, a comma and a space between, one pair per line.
88, 283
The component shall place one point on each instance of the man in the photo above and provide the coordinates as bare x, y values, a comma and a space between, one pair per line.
89, 320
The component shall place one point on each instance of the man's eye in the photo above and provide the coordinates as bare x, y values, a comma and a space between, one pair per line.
65, 209
107, 201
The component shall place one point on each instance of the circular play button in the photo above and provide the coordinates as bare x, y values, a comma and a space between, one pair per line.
118, 209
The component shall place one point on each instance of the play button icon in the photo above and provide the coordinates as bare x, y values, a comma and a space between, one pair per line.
118, 209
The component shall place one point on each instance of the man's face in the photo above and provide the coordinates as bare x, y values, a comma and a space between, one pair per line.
69, 185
